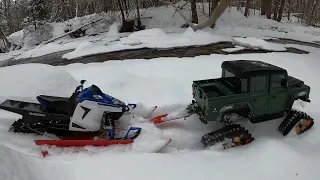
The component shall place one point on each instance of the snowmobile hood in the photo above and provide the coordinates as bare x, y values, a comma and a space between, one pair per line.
93, 93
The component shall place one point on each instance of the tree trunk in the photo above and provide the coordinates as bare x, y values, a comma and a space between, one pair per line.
194, 13
275, 9
309, 11
289, 9
246, 11
281, 10
222, 6
202, 7
77, 8
126, 6
209, 3
268, 9
139, 25
313, 12
5, 40
263, 7
214, 5
121, 10
238, 6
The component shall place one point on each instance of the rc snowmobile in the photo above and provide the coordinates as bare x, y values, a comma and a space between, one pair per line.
75, 120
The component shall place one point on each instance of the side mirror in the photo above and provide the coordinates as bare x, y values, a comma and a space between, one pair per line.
284, 83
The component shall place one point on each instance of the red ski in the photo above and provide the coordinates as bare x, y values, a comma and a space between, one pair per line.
79, 143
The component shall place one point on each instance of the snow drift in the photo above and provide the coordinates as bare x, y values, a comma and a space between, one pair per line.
165, 82
30, 80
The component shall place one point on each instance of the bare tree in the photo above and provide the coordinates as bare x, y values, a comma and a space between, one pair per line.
194, 13
289, 9
309, 11
222, 6
266, 8
275, 9
214, 5
139, 25
281, 10
246, 11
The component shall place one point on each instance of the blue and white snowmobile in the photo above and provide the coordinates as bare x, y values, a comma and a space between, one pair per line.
87, 111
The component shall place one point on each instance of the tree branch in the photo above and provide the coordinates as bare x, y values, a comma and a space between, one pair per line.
222, 6
63, 35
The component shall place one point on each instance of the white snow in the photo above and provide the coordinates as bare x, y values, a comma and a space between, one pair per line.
251, 42
235, 49
165, 82
30, 80
150, 38
163, 31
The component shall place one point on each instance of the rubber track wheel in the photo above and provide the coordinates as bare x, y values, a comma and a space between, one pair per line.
219, 135
287, 119
292, 120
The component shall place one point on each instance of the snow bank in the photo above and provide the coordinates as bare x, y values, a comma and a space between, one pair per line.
202, 164
30, 80
255, 43
159, 19
150, 38
30, 37
15, 166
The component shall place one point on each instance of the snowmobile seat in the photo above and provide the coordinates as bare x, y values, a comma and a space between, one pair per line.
53, 104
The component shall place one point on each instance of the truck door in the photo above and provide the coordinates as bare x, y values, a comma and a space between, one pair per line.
259, 96
278, 93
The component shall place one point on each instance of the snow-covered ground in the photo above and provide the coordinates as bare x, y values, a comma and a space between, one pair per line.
165, 82
163, 31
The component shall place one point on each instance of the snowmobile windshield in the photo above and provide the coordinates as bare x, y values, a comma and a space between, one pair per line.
96, 90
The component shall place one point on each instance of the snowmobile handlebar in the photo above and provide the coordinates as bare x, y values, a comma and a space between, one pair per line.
80, 87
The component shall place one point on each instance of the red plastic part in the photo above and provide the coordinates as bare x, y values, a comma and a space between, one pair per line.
69, 143
158, 119
44, 153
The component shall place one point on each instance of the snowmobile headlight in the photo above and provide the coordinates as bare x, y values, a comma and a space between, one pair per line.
97, 97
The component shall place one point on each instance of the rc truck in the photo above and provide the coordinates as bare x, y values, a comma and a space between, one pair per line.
247, 89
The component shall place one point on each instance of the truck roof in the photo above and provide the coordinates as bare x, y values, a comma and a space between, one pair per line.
251, 67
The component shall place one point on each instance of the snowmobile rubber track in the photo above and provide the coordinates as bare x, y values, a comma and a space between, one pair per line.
291, 121
19, 127
227, 132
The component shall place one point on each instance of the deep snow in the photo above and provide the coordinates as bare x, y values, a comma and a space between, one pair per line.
165, 82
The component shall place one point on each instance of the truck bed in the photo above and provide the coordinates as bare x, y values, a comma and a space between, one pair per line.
215, 87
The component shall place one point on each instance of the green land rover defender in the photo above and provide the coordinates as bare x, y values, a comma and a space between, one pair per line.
249, 89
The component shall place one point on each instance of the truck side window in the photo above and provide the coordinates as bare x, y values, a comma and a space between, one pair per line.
258, 83
277, 80
244, 85
227, 73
